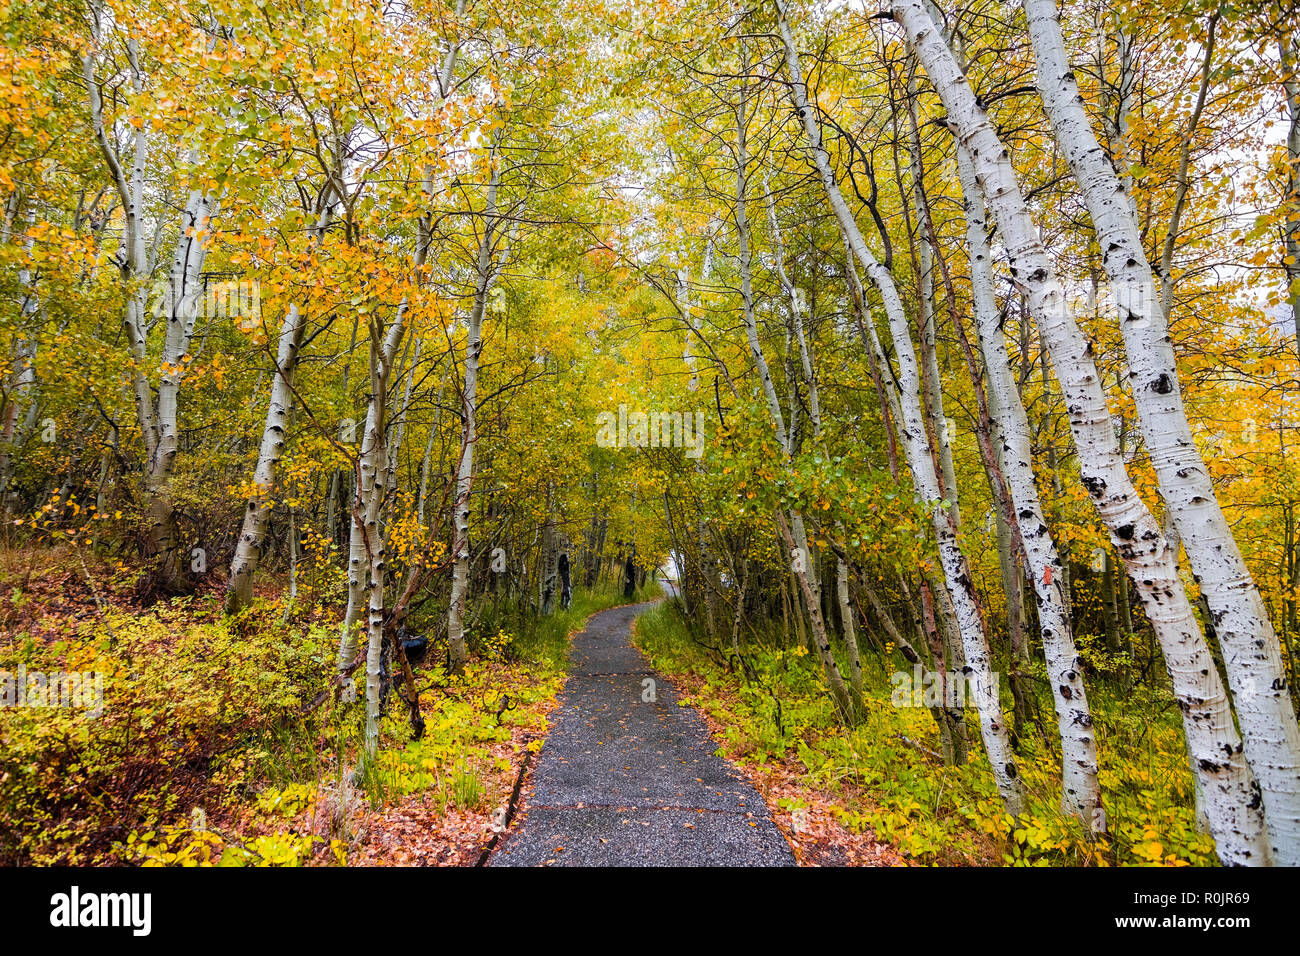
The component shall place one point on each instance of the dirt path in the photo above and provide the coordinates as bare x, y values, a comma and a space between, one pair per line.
629, 778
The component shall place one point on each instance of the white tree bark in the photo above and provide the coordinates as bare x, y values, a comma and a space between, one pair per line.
850, 632
252, 534
399, 433
1212, 740
485, 274
357, 567
257, 515
185, 293
1251, 650
368, 507
1288, 48
1081, 791
549, 570
796, 540
797, 306
20, 397
181, 300
365, 543
911, 425
927, 327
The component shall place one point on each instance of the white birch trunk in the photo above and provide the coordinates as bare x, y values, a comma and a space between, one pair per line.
1230, 789
158, 422
372, 466
797, 305
796, 539
911, 427
257, 515
549, 571
928, 326
486, 272
252, 534
185, 300
357, 571
23, 379
850, 632
1081, 792
1289, 57
368, 508
1252, 653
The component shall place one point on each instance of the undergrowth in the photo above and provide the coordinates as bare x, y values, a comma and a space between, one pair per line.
883, 782
214, 743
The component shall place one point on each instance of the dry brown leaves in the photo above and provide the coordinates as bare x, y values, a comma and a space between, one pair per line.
418, 831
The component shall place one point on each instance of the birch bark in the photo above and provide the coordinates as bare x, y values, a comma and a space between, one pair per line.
181, 301
1081, 792
486, 272
1212, 739
1288, 48
1252, 652
796, 540
365, 543
17, 426
797, 305
257, 515
957, 577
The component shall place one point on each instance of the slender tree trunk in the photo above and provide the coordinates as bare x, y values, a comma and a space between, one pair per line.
1207, 716
20, 398
184, 301
957, 574
796, 541
365, 544
366, 556
1251, 648
549, 567
1288, 47
158, 422
367, 510
932, 389
252, 536
797, 306
486, 272
850, 632
886, 393
1081, 795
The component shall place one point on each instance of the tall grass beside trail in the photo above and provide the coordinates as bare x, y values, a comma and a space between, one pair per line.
883, 776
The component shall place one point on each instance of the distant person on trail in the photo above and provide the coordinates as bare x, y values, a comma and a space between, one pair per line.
566, 589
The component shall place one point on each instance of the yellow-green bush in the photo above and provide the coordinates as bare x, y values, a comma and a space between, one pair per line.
189, 709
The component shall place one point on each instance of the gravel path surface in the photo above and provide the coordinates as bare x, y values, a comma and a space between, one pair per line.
629, 778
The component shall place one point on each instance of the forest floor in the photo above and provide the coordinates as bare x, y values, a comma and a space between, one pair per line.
216, 746
607, 760
211, 749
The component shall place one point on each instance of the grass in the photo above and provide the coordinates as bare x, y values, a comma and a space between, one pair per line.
936, 813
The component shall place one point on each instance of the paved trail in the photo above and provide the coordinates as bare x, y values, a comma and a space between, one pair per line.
627, 782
